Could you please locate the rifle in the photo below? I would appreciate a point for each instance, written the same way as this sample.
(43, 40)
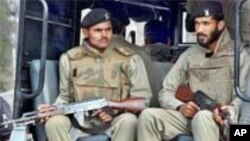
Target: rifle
(84, 106)
(20, 125)
(207, 103)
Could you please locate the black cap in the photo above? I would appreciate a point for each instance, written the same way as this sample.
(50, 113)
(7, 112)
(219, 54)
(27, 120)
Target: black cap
(96, 16)
(208, 8)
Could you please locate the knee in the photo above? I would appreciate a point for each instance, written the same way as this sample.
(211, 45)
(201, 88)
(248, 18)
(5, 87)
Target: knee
(128, 119)
(57, 122)
(202, 116)
(147, 116)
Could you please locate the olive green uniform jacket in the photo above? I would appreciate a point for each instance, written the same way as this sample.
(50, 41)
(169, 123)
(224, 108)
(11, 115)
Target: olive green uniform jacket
(213, 75)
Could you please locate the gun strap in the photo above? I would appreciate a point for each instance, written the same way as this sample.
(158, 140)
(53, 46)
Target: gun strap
(96, 130)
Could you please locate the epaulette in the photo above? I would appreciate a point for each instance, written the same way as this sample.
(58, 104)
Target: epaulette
(76, 53)
(126, 51)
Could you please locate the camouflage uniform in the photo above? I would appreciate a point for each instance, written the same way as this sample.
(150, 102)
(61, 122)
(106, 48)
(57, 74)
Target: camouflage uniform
(213, 75)
(244, 35)
(115, 74)
(137, 50)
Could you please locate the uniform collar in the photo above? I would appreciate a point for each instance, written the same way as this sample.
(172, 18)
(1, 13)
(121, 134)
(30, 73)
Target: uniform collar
(224, 45)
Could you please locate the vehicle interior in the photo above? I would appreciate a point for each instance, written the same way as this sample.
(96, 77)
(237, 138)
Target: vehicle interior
(48, 28)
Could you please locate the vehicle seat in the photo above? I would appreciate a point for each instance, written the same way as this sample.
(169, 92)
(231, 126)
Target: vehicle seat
(158, 73)
(49, 94)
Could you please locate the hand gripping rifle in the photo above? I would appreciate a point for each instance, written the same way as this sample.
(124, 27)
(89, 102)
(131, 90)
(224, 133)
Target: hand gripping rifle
(207, 103)
(67, 109)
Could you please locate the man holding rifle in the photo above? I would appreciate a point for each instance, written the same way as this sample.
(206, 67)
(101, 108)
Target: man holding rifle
(99, 68)
(207, 67)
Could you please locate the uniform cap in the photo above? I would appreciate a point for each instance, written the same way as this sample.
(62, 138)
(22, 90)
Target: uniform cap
(208, 8)
(96, 16)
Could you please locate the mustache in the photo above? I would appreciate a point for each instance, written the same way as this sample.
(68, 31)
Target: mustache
(201, 34)
(104, 39)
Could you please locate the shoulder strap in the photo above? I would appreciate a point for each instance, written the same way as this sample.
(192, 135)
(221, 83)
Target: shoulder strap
(76, 53)
(124, 50)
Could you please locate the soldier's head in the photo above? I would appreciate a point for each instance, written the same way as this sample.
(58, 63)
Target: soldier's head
(208, 22)
(97, 28)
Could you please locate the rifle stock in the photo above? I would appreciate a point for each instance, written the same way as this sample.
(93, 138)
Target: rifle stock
(184, 93)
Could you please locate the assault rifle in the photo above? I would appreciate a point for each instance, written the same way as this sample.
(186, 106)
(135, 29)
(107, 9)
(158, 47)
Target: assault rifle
(20, 125)
(33, 117)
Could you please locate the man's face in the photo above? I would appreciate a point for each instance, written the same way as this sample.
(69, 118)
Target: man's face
(207, 30)
(99, 35)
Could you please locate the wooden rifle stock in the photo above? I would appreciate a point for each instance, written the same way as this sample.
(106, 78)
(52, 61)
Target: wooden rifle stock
(184, 93)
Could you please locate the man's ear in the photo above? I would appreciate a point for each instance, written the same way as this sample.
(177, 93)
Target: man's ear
(221, 25)
(85, 32)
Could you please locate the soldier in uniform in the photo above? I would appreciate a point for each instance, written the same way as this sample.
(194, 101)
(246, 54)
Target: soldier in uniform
(207, 67)
(101, 68)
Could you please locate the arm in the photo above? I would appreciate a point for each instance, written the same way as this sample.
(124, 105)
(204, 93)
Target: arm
(140, 92)
(234, 108)
(244, 75)
(176, 76)
(64, 81)
(134, 105)
(64, 93)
